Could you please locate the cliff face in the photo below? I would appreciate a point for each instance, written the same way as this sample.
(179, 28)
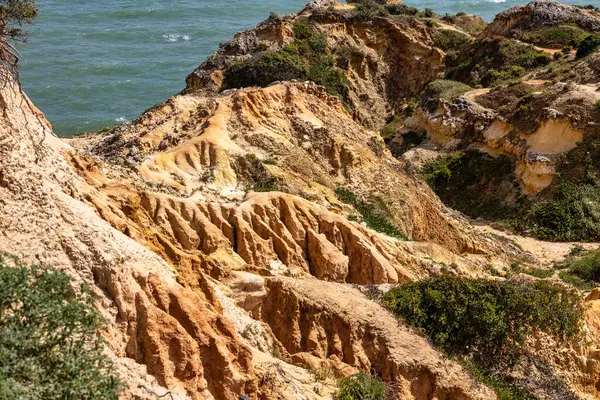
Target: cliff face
(176, 334)
(541, 14)
(169, 318)
(229, 235)
(389, 61)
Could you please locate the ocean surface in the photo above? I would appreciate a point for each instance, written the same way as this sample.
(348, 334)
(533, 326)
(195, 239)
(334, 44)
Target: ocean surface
(90, 64)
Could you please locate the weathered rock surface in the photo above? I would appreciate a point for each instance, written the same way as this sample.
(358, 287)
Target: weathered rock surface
(335, 322)
(178, 333)
(552, 128)
(393, 61)
(541, 14)
(310, 144)
(213, 290)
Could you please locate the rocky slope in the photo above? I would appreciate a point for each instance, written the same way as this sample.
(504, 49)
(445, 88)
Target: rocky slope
(229, 235)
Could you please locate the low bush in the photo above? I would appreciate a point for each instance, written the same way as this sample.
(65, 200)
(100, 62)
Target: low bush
(361, 387)
(447, 89)
(557, 37)
(282, 65)
(480, 60)
(486, 319)
(307, 58)
(588, 45)
(374, 216)
(370, 9)
(401, 9)
(391, 128)
(506, 74)
(472, 182)
(345, 53)
(572, 214)
(49, 343)
(586, 267)
(450, 39)
(257, 175)
(576, 281)
(428, 13)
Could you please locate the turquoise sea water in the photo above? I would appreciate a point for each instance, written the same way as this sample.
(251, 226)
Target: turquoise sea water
(96, 63)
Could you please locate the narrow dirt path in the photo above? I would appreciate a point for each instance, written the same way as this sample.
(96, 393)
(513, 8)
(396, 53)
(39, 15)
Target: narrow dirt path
(546, 252)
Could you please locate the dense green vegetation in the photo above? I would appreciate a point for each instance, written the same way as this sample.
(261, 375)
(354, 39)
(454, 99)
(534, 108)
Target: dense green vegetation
(13, 15)
(361, 387)
(557, 37)
(308, 58)
(483, 323)
(49, 342)
(479, 185)
(572, 214)
(486, 319)
(446, 89)
(588, 45)
(501, 385)
(374, 215)
(490, 61)
(582, 269)
(472, 182)
(372, 8)
(449, 39)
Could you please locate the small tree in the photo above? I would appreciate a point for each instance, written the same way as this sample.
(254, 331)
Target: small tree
(49, 343)
(14, 14)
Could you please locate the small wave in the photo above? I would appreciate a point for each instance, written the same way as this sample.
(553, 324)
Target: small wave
(122, 120)
(138, 13)
(177, 38)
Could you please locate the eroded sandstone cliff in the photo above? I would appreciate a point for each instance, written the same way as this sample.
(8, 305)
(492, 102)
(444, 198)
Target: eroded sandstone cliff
(227, 234)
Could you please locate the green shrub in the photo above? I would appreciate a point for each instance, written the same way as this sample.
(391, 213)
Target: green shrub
(390, 129)
(504, 389)
(302, 29)
(588, 45)
(49, 343)
(573, 214)
(401, 9)
(526, 56)
(257, 175)
(450, 39)
(447, 89)
(428, 13)
(480, 60)
(370, 9)
(472, 182)
(307, 58)
(506, 74)
(576, 281)
(557, 37)
(361, 387)
(597, 105)
(282, 65)
(586, 267)
(345, 53)
(486, 319)
(375, 217)
(13, 15)
(539, 272)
